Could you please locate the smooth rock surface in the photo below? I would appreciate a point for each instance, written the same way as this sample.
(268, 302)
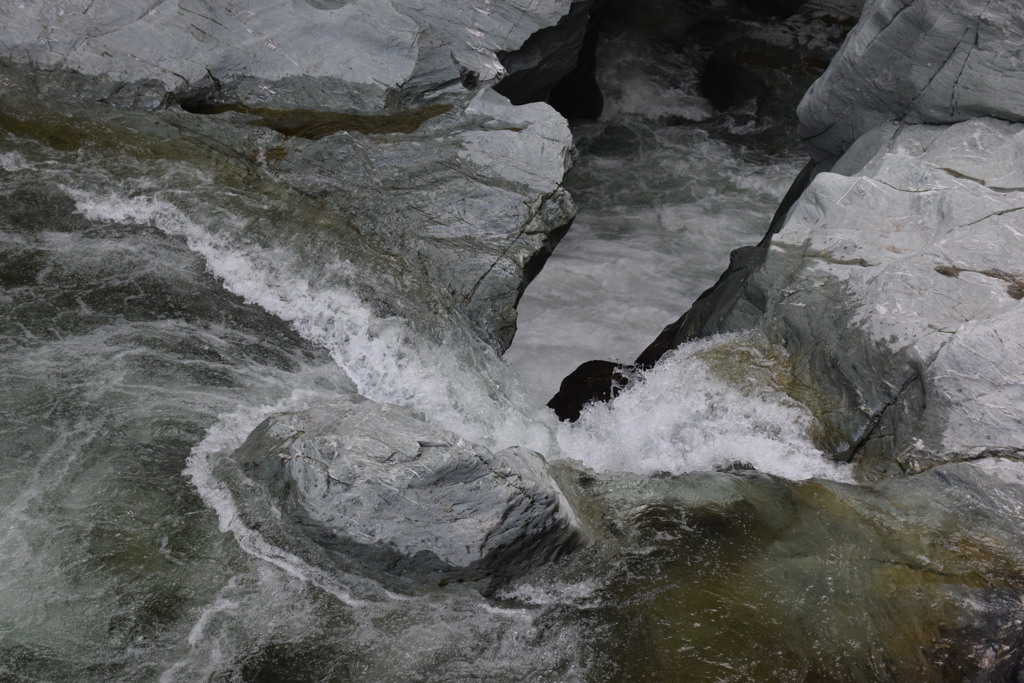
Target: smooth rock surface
(473, 198)
(920, 61)
(373, 484)
(341, 54)
(896, 286)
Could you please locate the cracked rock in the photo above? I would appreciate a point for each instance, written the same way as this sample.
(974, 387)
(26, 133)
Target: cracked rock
(921, 61)
(384, 109)
(370, 485)
(895, 285)
(337, 54)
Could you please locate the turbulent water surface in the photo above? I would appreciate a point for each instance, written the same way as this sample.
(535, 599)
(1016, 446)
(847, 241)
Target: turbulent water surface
(154, 310)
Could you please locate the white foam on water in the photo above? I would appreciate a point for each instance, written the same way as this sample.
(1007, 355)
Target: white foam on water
(642, 96)
(453, 385)
(13, 162)
(681, 417)
(655, 229)
(584, 594)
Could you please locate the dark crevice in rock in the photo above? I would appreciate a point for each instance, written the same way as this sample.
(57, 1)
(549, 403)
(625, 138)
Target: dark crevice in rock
(896, 15)
(577, 95)
(313, 125)
(558, 64)
(1015, 285)
(599, 380)
(913, 464)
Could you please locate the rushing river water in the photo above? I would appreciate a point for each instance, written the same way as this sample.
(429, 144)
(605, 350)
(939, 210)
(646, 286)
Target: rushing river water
(153, 313)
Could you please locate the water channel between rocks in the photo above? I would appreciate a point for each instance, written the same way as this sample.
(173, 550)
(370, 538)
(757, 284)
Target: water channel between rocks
(157, 307)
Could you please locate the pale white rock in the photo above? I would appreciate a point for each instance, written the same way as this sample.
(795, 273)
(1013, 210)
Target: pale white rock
(358, 52)
(897, 287)
(920, 61)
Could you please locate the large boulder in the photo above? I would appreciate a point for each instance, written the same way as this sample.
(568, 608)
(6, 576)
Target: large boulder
(895, 284)
(380, 108)
(375, 486)
(894, 281)
(324, 54)
(921, 61)
(473, 198)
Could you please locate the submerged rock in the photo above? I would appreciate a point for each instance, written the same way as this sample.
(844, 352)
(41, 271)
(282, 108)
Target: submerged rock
(909, 578)
(768, 68)
(376, 486)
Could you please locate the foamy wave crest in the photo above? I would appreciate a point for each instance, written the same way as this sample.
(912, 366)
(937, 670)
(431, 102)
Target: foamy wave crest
(12, 162)
(454, 385)
(224, 437)
(682, 417)
(640, 96)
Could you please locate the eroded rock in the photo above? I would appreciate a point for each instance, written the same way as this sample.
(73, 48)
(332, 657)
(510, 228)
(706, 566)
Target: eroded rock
(921, 61)
(384, 109)
(323, 54)
(895, 285)
(373, 485)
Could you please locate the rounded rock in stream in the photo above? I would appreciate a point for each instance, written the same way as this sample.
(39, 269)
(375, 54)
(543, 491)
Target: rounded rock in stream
(372, 484)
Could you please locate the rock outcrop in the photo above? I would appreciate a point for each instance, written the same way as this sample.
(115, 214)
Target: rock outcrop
(383, 109)
(896, 286)
(325, 54)
(375, 486)
(919, 61)
(894, 279)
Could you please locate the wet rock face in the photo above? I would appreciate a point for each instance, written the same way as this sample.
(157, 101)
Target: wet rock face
(382, 108)
(473, 197)
(896, 285)
(922, 61)
(594, 380)
(372, 484)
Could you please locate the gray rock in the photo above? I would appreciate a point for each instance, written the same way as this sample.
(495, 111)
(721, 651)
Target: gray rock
(473, 198)
(896, 285)
(461, 212)
(921, 61)
(376, 486)
(338, 54)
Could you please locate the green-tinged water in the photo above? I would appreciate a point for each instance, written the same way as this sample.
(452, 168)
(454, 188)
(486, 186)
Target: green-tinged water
(161, 293)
